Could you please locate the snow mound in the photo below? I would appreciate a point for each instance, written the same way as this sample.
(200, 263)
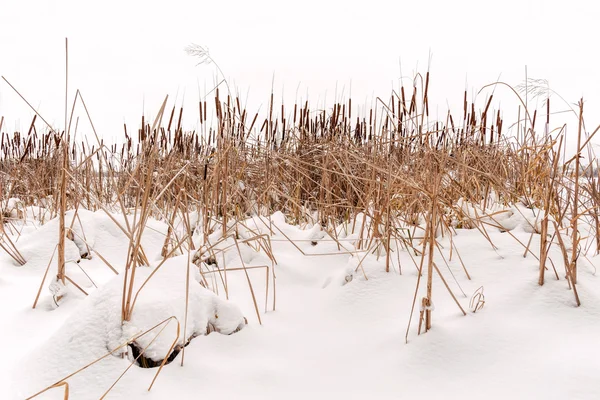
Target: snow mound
(95, 328)
(38, 247)
(164, 297)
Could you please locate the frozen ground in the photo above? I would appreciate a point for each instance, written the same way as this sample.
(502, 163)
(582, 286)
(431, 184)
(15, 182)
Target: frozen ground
(325, 339)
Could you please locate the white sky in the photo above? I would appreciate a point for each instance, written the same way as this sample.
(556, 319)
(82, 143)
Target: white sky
(127, 54)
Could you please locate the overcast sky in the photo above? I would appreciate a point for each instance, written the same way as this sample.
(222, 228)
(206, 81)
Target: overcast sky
(126, 56)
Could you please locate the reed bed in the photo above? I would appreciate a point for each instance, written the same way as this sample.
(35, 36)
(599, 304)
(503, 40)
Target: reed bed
(389, 174)
(315, 166)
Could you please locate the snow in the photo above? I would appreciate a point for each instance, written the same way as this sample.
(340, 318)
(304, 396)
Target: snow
(336, 332)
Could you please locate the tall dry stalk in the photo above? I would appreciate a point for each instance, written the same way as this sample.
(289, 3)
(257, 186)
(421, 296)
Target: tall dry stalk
(575, 216)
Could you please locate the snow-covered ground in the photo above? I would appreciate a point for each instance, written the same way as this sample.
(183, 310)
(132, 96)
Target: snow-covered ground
(336, 332)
